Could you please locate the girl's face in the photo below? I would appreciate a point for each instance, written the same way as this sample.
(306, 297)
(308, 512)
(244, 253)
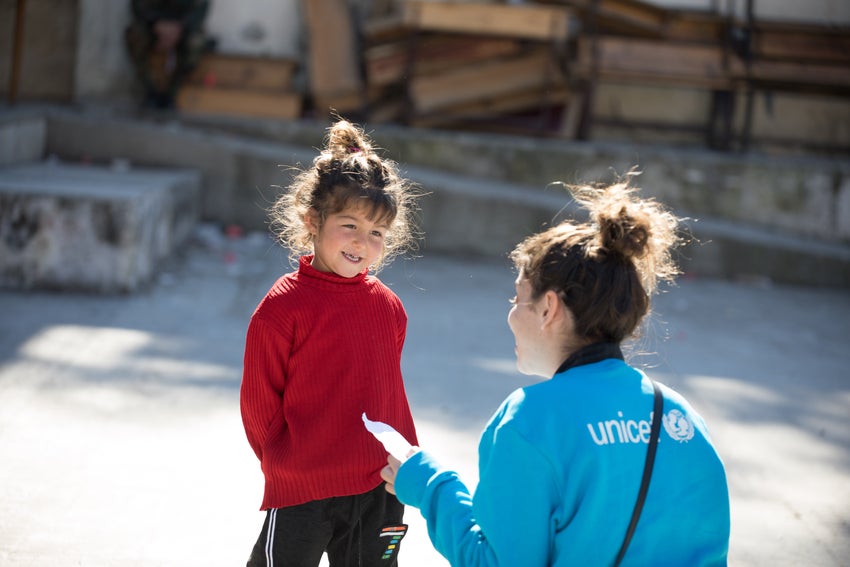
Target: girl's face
(525, 322)
(347, 243)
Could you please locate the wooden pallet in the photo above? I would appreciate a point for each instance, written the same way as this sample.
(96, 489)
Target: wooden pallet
(239, 102)
(244, 72)
(526, 21)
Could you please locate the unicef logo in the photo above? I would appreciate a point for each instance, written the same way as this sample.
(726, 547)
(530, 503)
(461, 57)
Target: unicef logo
(678, 426)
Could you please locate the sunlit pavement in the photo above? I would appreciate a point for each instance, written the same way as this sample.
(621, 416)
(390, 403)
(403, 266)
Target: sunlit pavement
(121, 442)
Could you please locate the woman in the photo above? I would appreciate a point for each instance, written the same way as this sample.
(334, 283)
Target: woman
(561, 462)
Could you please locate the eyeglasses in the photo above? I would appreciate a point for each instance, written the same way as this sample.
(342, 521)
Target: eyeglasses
(513, 300)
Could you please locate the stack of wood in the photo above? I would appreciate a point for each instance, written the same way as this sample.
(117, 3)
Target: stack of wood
(796, 57)
(467, 64)
(634, 43)
(541, 67)
(242, 85)
(333, 61)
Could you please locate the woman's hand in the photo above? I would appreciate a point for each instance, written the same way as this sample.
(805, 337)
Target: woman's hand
(388, 472)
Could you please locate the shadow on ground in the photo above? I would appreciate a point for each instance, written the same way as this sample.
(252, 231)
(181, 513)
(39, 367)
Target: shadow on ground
(120, 414)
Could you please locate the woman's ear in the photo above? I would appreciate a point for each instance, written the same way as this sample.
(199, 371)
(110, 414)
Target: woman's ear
(558, 317)
(553, 311)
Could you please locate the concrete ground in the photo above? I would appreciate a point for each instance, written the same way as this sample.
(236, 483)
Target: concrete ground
(121, 442)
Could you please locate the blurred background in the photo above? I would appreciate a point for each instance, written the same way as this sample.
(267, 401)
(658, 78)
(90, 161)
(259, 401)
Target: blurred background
(142, 142)
(737, 113)
(724, 74)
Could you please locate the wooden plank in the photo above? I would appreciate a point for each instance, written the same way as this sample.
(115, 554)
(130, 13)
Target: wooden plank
(800, 43)
(697, 27)
(632, 17)
(241, 102)
(572, 116)
(489, 80)
(359, 102)
(649, 61)
(328, 103)
(387, 64)
(334, 62)
(387, 110)
(533, 99)
(384, 29)
(526, 21)
(236, 71)
(799, 76)
(43, 45)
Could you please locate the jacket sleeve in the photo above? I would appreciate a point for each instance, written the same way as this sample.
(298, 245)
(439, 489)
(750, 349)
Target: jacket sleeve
(263, 381)
(508, 523)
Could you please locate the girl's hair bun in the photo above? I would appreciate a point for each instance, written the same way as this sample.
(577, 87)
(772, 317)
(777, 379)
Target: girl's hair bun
(344, 139)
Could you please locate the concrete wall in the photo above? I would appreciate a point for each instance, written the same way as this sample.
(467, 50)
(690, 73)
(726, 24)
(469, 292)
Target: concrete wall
(23, 138)
(784, 219)
(103, 69)
(257, 27)
(239, 175)
(801, 195)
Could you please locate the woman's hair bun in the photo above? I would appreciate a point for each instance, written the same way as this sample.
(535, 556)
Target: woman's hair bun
(623, 229)
(638, 230)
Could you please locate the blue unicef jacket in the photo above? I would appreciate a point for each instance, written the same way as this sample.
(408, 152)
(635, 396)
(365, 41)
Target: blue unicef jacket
(560, 466)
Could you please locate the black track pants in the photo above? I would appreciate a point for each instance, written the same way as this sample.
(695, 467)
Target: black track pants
(356, 531)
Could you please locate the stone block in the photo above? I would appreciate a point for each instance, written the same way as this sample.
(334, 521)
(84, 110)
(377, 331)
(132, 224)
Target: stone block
(22, 140)
(87, 228)
(842, 208)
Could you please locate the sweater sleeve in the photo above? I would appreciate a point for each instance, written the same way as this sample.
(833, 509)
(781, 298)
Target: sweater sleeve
(508, 522)
(263, 380)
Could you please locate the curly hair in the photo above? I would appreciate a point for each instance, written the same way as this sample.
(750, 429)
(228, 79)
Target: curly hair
(604, 269)
(348, 172)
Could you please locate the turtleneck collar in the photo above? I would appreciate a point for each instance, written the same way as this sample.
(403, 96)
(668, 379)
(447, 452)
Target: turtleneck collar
(591, 353)
(305, 269)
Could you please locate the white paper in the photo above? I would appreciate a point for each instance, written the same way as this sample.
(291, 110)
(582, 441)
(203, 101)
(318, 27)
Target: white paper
(393, 442)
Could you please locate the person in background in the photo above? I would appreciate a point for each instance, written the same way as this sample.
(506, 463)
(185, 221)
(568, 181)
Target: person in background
(324, 347)
(561, 462)
(165, 41)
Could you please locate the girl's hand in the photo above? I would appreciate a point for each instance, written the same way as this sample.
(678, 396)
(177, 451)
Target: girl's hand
(388, 472)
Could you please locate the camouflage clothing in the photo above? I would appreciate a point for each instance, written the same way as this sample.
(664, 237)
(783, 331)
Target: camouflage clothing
(162, 73)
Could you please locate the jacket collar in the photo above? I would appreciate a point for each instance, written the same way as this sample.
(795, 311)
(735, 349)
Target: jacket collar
(591, 353)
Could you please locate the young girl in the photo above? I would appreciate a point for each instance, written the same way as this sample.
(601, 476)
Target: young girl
(562, 462)
(323, 347)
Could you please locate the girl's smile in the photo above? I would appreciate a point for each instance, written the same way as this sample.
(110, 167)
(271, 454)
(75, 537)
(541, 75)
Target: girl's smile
(348, 242)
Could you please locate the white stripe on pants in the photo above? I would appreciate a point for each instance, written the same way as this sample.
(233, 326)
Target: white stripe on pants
(270, 538)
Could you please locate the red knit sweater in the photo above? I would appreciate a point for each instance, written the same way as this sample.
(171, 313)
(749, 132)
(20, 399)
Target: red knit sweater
(321, 350)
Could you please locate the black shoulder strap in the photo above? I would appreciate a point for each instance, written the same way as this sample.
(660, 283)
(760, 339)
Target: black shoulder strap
(657, 409)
